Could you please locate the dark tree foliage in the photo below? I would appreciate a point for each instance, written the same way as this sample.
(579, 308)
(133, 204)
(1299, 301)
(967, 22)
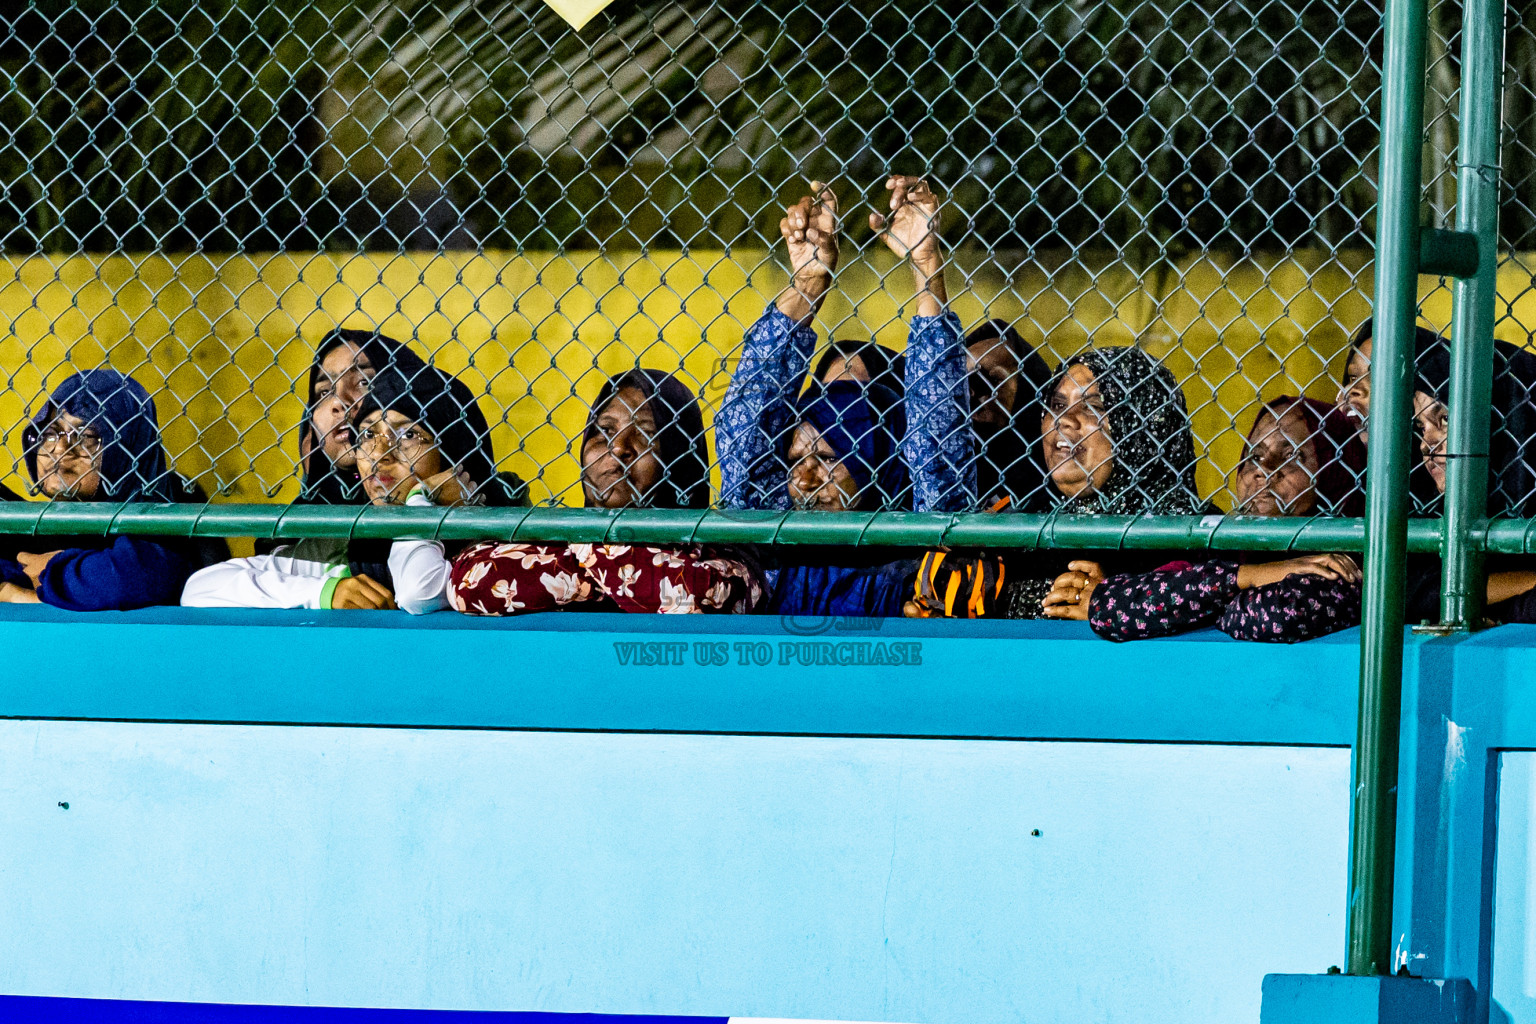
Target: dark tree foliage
(1152, 129)
(182, 124)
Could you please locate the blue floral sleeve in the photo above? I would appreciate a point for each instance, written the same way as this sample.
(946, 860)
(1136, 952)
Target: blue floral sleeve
(758, 409)
(939, 448)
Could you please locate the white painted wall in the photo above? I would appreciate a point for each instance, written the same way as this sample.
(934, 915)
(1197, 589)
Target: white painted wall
(856, 879)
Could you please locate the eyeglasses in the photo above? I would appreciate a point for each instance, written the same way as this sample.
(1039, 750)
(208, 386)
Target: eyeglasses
(79, 439)
(409, 442)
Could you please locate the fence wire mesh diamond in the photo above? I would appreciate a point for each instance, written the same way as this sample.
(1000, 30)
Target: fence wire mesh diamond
(1116, 257)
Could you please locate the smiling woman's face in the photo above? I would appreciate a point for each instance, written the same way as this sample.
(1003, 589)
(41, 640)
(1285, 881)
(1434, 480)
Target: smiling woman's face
(1079, 452)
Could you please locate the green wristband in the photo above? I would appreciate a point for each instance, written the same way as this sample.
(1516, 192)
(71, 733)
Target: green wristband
(329, 589)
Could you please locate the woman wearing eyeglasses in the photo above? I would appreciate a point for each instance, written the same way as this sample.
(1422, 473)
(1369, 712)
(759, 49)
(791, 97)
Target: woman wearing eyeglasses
(420, 440)
(97, 439)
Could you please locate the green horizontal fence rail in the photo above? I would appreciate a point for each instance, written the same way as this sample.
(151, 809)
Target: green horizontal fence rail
(690, 526)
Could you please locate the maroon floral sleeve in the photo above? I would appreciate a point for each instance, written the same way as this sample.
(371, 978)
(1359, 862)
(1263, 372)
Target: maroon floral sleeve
(1176, 598)
(507, 579)
(1296, 608)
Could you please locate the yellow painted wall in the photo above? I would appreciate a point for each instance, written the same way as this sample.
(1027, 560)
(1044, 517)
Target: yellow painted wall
(224, 342)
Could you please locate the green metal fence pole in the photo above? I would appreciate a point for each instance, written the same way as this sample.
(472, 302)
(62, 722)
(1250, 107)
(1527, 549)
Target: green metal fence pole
(1373, 836)
(1477, 215)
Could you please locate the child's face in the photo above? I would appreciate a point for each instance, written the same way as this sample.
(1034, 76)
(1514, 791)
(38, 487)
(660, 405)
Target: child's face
(69, 459)
(394, 454)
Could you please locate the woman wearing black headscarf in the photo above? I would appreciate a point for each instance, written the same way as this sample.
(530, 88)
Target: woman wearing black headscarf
(1511, 595)
(1006, 377)
(867, 362)
(420, 439)
(346, 361)
(1355, 404)
(643, 447)
(1299, 459)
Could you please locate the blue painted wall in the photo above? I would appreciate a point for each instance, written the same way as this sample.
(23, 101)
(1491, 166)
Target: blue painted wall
(835, 878)
(576, 833)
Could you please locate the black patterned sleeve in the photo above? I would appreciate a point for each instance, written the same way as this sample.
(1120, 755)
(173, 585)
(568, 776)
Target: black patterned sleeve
(1296, 608)
(1177, 598)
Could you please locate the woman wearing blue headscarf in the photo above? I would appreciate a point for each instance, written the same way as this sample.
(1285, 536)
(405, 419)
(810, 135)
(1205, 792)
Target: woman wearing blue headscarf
(97, 439)
(848, 445)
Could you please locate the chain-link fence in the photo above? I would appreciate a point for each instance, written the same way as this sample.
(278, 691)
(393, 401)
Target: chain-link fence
(1156, 228)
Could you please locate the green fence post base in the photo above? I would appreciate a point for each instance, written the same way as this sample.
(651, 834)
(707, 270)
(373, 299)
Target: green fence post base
(1353, 999)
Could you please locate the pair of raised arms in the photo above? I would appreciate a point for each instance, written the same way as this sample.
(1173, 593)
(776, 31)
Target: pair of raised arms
(910, 229)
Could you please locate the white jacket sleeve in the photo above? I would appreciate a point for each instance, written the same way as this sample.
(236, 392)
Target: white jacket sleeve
(263, 581)
(420, 571)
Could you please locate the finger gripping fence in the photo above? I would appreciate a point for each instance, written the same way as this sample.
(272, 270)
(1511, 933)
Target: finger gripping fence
(935, 274)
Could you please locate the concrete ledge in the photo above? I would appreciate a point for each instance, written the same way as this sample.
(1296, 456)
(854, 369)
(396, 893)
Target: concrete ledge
(1346, 999)
(723, 674)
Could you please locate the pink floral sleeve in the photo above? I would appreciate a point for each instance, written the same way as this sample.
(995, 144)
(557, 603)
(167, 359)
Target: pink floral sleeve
(506, 579)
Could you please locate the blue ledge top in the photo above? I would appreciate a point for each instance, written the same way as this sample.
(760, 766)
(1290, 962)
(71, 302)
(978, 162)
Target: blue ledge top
(722, 674)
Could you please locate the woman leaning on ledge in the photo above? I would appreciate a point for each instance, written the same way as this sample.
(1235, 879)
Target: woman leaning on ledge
(643, 447)
(98, 439)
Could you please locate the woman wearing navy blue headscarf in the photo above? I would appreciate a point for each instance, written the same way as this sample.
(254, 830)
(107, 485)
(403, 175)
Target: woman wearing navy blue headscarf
(97, 439)
(848, 445)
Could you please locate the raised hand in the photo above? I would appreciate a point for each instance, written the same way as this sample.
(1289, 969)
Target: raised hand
(912, 227)
(911, 231)
(810, 232)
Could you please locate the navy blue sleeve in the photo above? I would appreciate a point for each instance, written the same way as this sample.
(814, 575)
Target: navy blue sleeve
(873, 591)
(12, 572)
(134, 572)
(1520, 608)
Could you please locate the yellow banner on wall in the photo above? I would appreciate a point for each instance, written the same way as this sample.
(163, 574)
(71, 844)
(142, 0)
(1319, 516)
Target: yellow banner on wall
(224, 342)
